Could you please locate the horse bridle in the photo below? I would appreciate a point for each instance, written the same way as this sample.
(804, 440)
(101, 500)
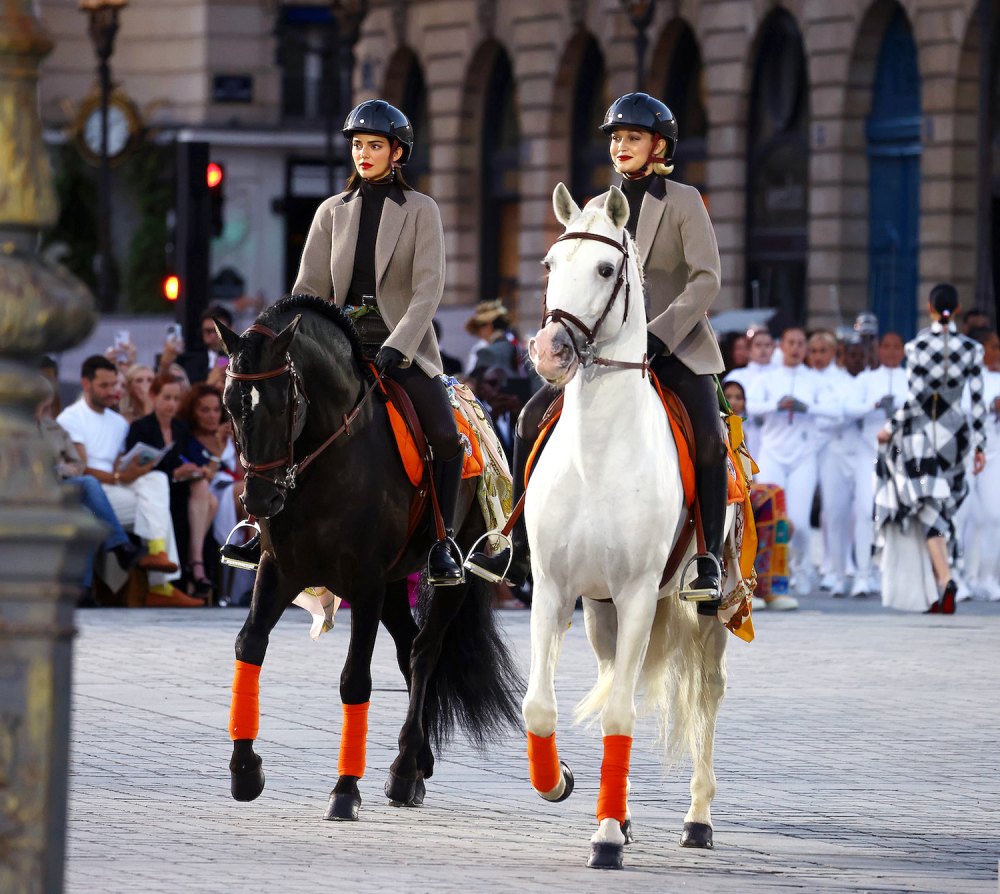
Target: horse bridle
(297, 401)
(587, 354)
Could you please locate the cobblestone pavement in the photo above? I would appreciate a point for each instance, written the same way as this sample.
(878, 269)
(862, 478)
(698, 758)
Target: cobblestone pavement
(857, 751)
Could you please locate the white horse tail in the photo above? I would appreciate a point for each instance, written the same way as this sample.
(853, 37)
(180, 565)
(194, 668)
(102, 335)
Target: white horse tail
(591, 705)
(683, 676)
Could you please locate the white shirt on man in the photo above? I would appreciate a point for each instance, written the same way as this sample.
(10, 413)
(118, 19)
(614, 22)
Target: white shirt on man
(787, 435)
(101, 434)
(870, 387)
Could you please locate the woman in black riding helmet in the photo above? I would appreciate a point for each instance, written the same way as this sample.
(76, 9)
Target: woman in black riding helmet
(681, 267)
(379, 247)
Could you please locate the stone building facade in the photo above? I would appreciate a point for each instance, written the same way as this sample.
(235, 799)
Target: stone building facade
(839, 146)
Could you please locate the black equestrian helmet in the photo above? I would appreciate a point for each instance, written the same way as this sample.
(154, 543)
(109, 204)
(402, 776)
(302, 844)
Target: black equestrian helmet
(376, 116)
(644, 111)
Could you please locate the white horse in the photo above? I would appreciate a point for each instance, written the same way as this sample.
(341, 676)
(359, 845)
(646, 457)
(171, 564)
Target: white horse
(603, 510)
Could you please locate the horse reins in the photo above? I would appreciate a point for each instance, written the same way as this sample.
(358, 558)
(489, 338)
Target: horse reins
(586, 356)
(296, 398)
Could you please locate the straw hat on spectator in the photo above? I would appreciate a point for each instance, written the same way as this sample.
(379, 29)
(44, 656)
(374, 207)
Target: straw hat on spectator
(486, 312)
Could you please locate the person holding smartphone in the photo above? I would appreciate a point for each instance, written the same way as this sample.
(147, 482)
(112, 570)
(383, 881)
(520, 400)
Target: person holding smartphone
(206, 362)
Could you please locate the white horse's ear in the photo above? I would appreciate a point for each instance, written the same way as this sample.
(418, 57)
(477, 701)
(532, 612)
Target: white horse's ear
(563, 205)
(616, 208)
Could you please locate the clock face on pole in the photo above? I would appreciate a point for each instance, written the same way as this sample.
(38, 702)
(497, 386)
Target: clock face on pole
(118, 131)
(124, 127)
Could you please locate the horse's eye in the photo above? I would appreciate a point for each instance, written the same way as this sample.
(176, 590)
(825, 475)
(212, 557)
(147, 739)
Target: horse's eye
(605, 270)
(547, 264)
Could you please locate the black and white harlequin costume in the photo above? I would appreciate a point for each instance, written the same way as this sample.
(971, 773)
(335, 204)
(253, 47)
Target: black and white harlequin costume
(920, 473)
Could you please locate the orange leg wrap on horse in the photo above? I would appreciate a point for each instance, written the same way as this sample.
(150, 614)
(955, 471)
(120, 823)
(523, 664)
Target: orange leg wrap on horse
(614, 778)
(543, 762)
(244, 711)
(353, 736)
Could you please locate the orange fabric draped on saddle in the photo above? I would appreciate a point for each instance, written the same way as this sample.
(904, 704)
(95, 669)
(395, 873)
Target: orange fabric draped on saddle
(412, 460)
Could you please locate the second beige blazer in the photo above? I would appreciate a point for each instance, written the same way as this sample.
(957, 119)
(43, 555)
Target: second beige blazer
(682, 270)
(409, 266)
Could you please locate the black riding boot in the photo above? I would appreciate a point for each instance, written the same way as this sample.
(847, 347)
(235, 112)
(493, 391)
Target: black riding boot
(492, 568)
(713, 490)
(443, 568)
(245, 555)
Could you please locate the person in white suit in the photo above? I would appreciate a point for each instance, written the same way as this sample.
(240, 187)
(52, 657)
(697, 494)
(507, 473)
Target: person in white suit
(790, 399)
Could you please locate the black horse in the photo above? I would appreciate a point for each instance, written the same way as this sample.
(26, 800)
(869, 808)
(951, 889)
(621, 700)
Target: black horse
(326, 482)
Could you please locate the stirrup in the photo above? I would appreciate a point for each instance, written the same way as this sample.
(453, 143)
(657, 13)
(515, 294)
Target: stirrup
(461, 564)
(234, 562)
(485, 574)
(690, 595)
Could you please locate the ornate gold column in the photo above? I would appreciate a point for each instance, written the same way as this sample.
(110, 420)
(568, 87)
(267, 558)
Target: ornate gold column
(44, 534)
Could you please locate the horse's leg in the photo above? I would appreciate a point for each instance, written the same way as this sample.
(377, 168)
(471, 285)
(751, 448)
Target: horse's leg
(401, 788)
(397, 616)
(550, 617)
(698, 822)
(600, 618)
(355, 694)
(636, 609)
(271, 596)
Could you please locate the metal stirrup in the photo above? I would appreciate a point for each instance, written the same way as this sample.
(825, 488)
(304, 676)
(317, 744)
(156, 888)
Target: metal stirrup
(697, 595)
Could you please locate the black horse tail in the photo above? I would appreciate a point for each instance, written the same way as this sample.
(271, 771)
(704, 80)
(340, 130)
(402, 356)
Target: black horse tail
(476, 683)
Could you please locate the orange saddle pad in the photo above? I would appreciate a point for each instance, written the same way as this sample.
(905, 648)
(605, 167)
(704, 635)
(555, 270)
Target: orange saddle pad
(413, 462)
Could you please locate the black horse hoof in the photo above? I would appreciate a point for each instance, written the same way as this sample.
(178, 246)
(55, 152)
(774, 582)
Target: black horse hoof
(343, 807)
(248, 783)
(697, 835)
(400, 791)
(567, 775)
(604, 855)
(627, 832)
(419, 792)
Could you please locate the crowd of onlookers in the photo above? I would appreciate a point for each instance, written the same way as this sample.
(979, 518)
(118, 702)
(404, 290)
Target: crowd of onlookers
(153, 455)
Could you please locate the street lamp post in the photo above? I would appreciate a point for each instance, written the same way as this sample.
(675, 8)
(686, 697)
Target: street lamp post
(640, 13)
(103, 28)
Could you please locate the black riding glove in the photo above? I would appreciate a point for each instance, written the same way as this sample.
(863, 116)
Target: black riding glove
(654, 345)
(387, 360)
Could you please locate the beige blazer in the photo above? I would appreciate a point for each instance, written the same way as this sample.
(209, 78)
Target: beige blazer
(680, 260)
(409, 266)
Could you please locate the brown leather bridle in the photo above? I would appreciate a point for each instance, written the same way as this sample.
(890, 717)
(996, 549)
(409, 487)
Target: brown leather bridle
(297, 402)
(587, 355)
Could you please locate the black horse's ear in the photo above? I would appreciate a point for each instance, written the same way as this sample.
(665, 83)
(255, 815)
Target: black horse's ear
(284, 338)
(229, 338)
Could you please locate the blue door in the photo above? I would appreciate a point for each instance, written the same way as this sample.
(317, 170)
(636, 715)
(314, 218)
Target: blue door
(893, 131)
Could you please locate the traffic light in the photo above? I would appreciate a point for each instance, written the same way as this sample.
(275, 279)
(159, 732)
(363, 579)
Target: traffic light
(171, 287)
(215, 178)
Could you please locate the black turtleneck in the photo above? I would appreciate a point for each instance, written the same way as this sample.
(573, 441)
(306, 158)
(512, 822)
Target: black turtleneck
(634, 191)
(372, 199)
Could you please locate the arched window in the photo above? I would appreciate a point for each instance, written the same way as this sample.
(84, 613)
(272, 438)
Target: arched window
(588, 147)
(681, 89)
(405, 88)
(778, 171)
(499, 221)
(893, 134)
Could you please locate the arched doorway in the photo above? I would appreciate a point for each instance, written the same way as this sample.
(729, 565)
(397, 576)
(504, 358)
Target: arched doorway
(893, 145)
(500, 189)
(778, 171)
(676, 78)
(588, 149)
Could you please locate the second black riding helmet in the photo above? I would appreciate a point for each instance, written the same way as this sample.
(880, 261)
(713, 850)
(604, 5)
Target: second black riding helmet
(645, 111)
(376, 116)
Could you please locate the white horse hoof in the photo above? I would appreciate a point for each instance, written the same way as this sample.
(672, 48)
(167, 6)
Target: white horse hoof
(563, 789)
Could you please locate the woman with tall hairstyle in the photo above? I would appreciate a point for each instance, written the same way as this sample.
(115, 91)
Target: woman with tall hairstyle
(379, 247)
(921, 465)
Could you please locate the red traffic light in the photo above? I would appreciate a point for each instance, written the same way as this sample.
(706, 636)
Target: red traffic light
(214, 175)
(171, 287)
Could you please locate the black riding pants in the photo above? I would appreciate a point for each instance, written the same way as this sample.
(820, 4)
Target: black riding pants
(430, 400)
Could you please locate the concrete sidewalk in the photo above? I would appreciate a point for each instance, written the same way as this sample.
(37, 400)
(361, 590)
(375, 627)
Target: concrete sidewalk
(857, 751)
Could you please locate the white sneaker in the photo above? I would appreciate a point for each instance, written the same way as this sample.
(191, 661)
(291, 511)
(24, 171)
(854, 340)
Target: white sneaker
(829, 582)
(991, 590)
(782, 603)
(861, 588)
(757, 604)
